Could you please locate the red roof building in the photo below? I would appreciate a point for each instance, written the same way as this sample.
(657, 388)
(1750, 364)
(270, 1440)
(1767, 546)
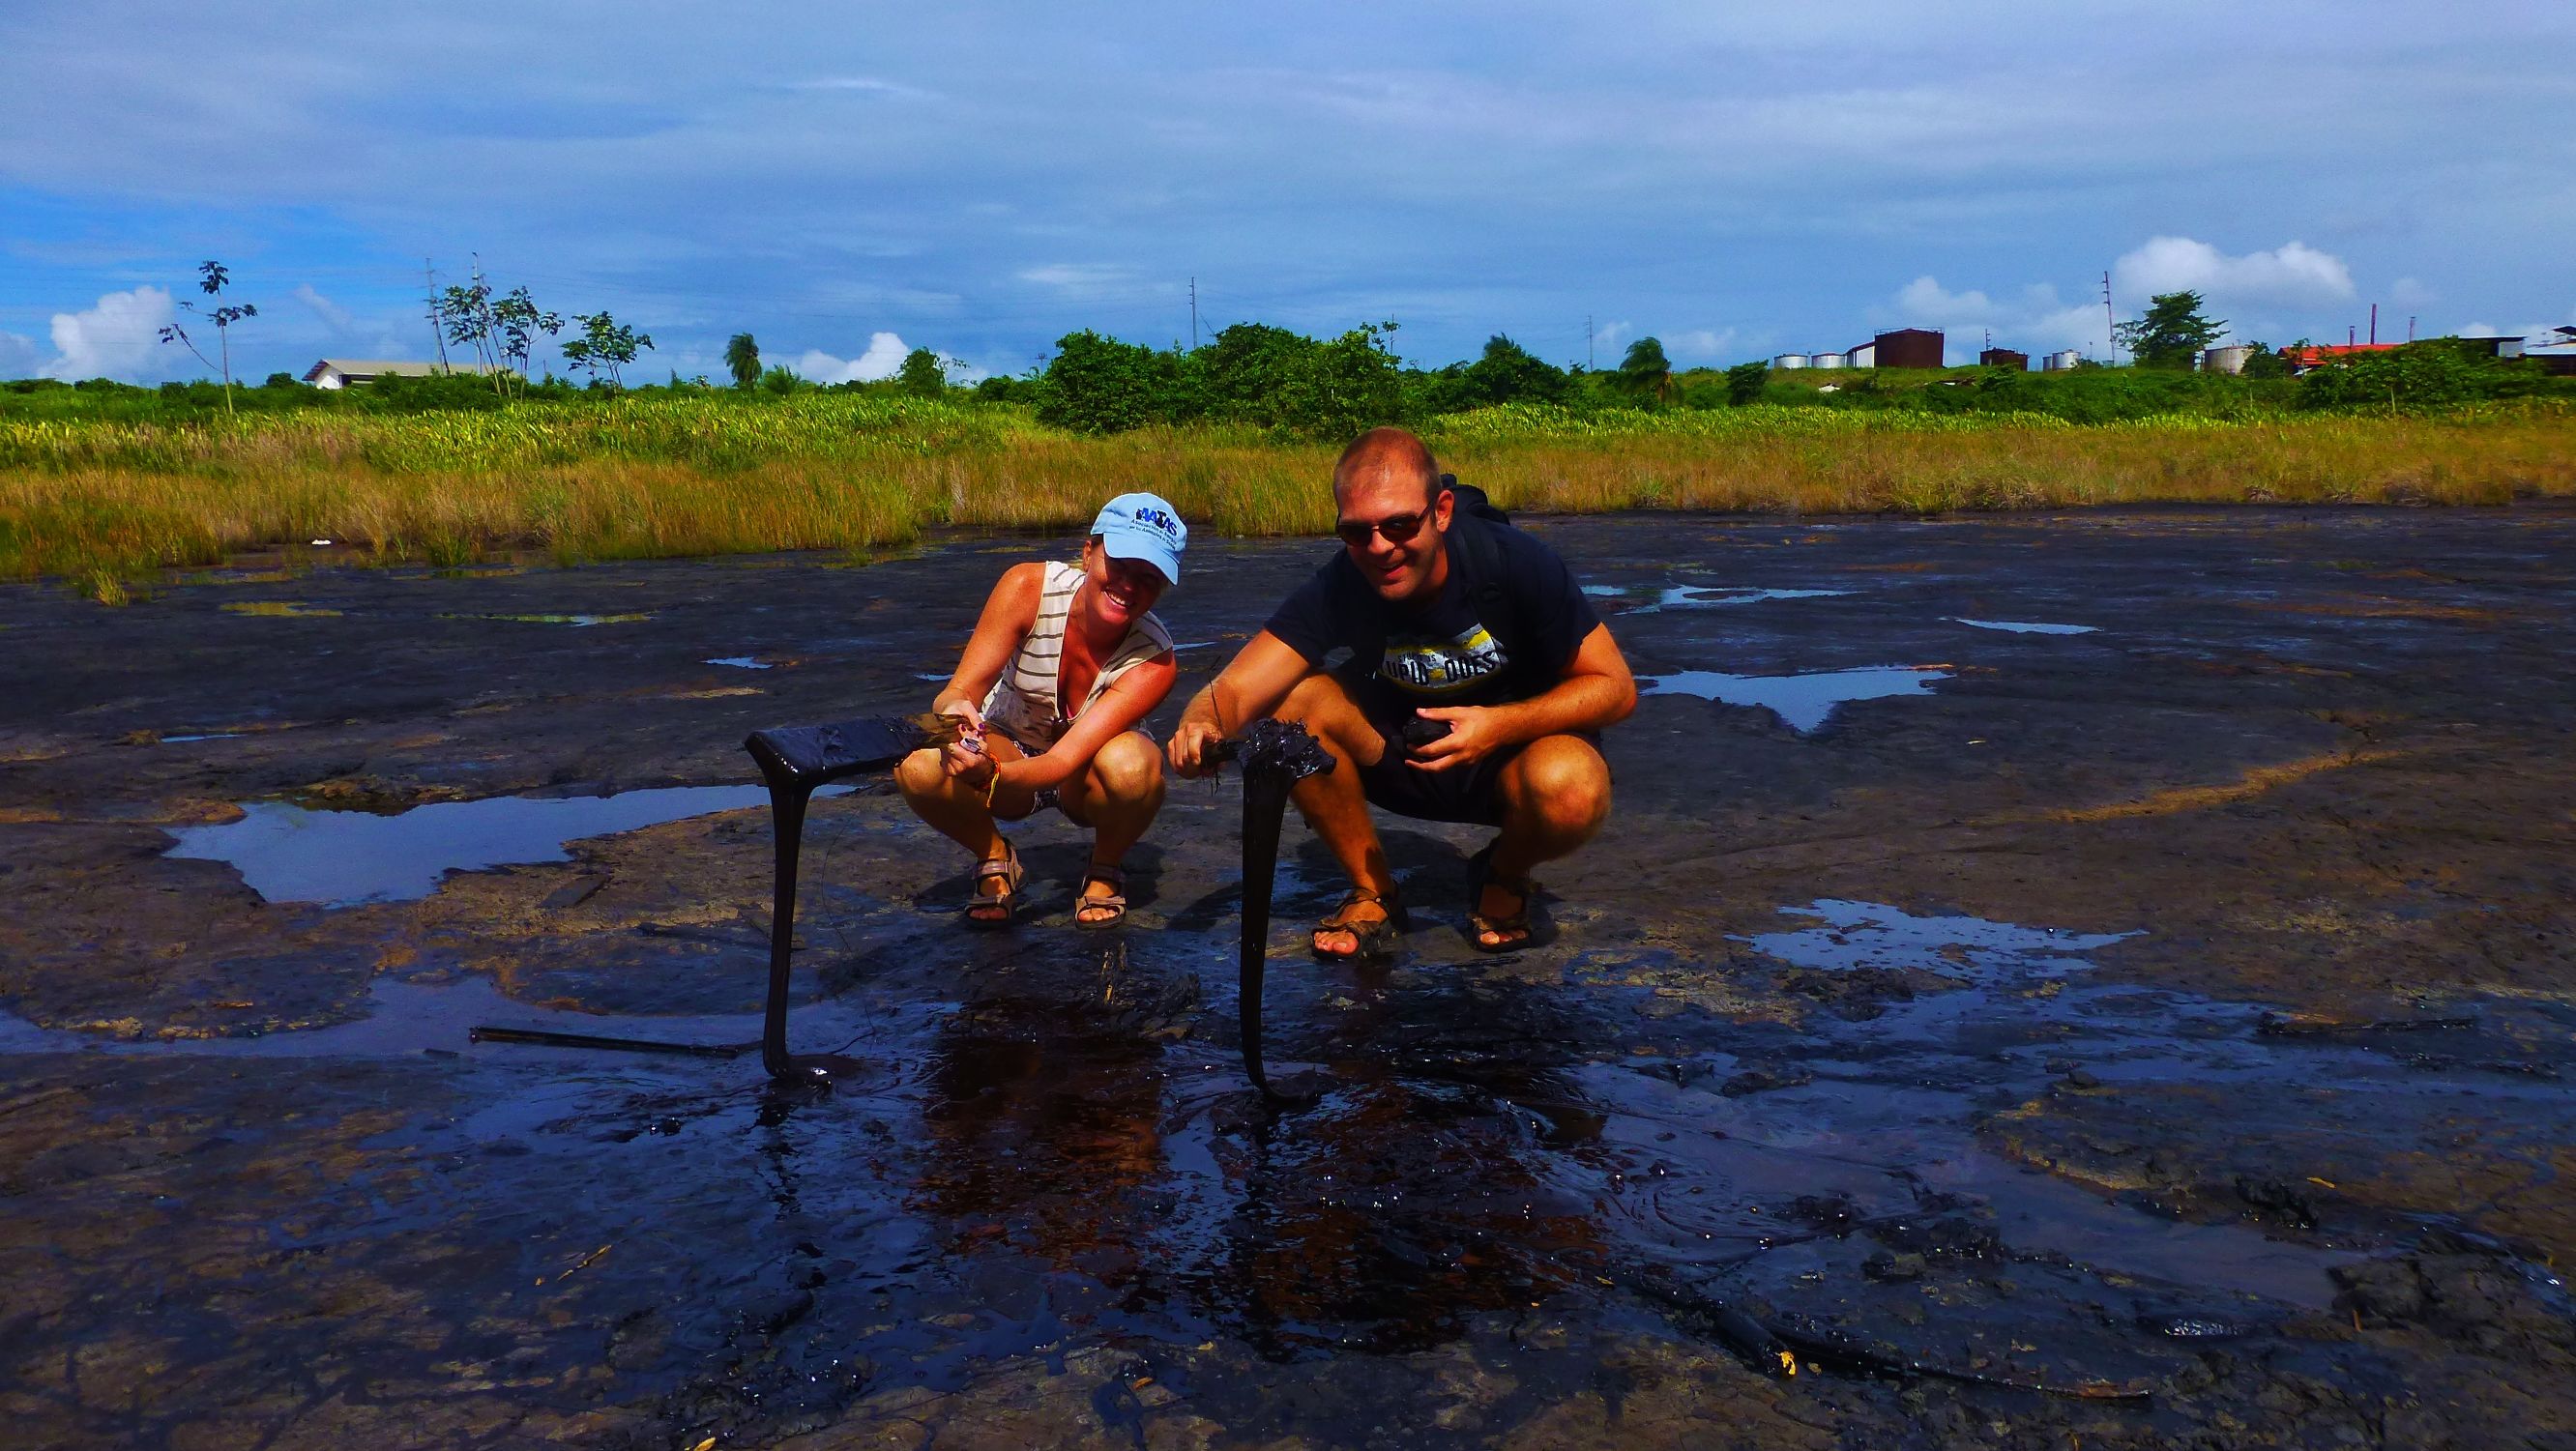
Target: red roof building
(2317, 355)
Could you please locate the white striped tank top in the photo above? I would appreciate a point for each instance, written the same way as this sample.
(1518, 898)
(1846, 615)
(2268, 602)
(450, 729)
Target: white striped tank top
(1023, 702)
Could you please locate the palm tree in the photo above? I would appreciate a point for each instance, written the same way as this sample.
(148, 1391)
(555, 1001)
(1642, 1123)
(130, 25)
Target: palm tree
(742, 359)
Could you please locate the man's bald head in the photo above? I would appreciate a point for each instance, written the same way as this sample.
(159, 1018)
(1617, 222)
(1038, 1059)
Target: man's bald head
(1387, 453)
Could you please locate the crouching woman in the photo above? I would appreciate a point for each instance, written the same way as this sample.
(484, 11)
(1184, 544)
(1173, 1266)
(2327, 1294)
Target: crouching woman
(1065, 664)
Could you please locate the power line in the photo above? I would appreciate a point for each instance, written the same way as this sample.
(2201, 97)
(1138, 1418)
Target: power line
(437, 314)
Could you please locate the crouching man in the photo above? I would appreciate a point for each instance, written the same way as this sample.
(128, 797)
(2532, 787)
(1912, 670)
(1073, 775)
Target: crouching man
(1478, 682)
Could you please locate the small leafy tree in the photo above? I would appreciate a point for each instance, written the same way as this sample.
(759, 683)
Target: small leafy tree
(466, 312)
(2172, 333)
(1744, 382)
(1097, 384)
(604, 348)
(1506, 372)
(211, 277)
(922, 374)
(516, 320)
(781, 380)
(1646, 374)
(742, 359)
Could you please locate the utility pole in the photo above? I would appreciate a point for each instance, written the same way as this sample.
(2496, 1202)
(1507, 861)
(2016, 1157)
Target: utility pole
(2410, 327)
(1194, 314)
(437, 314)
(2110, 322)
(1587, 342)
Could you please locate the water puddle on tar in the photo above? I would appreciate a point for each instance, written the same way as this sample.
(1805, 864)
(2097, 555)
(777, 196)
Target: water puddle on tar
(1696, 597)
(2026, 627)
(740, 662)
(577, 621)
(288, 853)
(1803, 702)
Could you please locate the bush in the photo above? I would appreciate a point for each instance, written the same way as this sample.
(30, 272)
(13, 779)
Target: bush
(1101, 385)
(2418, 375)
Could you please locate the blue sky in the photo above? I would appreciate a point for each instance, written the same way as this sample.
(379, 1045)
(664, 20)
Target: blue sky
(846, 180)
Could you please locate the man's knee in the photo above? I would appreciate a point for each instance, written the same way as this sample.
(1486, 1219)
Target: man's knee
(1562, 784)
(1318, 697)
(1324, 707)
(922, 773)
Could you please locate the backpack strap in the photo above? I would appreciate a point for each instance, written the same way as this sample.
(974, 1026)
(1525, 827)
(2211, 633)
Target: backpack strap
(1472, 522)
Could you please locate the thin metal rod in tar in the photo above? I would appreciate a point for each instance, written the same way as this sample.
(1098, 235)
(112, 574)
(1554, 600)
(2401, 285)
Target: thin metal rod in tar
(546, 1039)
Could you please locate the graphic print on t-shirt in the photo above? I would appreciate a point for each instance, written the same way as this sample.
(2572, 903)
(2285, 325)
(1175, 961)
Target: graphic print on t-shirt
(1435, 667)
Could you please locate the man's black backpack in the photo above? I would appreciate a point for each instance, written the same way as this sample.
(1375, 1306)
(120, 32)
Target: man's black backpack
(1472, 522)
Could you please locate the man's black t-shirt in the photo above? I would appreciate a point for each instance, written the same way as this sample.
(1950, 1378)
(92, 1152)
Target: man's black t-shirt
(1444, 652)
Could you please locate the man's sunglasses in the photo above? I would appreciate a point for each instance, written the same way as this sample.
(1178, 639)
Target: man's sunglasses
(1357, 532)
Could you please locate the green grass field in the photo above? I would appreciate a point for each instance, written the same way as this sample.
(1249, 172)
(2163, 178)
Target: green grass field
(104, 505)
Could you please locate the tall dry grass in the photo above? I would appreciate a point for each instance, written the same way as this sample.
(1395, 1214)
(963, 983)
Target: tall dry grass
(105, 505)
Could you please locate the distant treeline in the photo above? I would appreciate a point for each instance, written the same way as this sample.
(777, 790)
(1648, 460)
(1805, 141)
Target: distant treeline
(1292, 385)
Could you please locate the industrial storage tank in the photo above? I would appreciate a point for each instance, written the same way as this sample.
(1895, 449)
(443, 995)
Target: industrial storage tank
(1865, 356)
(2059, 362)
(1826, 360)
(2229, 359)
(1790, 360)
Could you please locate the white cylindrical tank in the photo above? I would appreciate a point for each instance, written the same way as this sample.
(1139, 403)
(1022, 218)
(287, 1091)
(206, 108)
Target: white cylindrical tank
(2059, 362)
(1826, 360)
(1865, 356)
(2229, 359)
(1790, 360)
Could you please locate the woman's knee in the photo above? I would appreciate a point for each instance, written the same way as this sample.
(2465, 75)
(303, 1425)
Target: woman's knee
(923, 773)
(1128, 768)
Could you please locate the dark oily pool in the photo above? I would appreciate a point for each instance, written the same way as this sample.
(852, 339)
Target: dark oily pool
(287, 853)
(1044, 1161)
(1804, 702)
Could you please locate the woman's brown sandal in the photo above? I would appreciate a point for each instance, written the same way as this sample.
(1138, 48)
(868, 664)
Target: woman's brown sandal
(1003, 905)
(1515, 929)
(1115, 904)
(1371, 937)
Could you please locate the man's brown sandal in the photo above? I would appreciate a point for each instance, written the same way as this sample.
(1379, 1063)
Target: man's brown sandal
(1004, 904)
(1115, 904)
(1515, 929)
(1371, 937)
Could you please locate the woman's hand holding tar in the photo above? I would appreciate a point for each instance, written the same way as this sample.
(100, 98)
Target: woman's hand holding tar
(965, 756)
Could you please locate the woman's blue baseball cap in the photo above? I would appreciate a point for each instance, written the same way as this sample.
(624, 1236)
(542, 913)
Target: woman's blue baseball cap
(1144, 528)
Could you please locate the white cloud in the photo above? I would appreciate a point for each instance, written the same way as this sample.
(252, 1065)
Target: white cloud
(324, 308)
(1702, 342)
(18, 356)
(868, 85)
(1609, 338)
(884, 355)
(1074, 276)
(2293, 274)
(119, 338)
(2037, 318)
(2407, 292)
